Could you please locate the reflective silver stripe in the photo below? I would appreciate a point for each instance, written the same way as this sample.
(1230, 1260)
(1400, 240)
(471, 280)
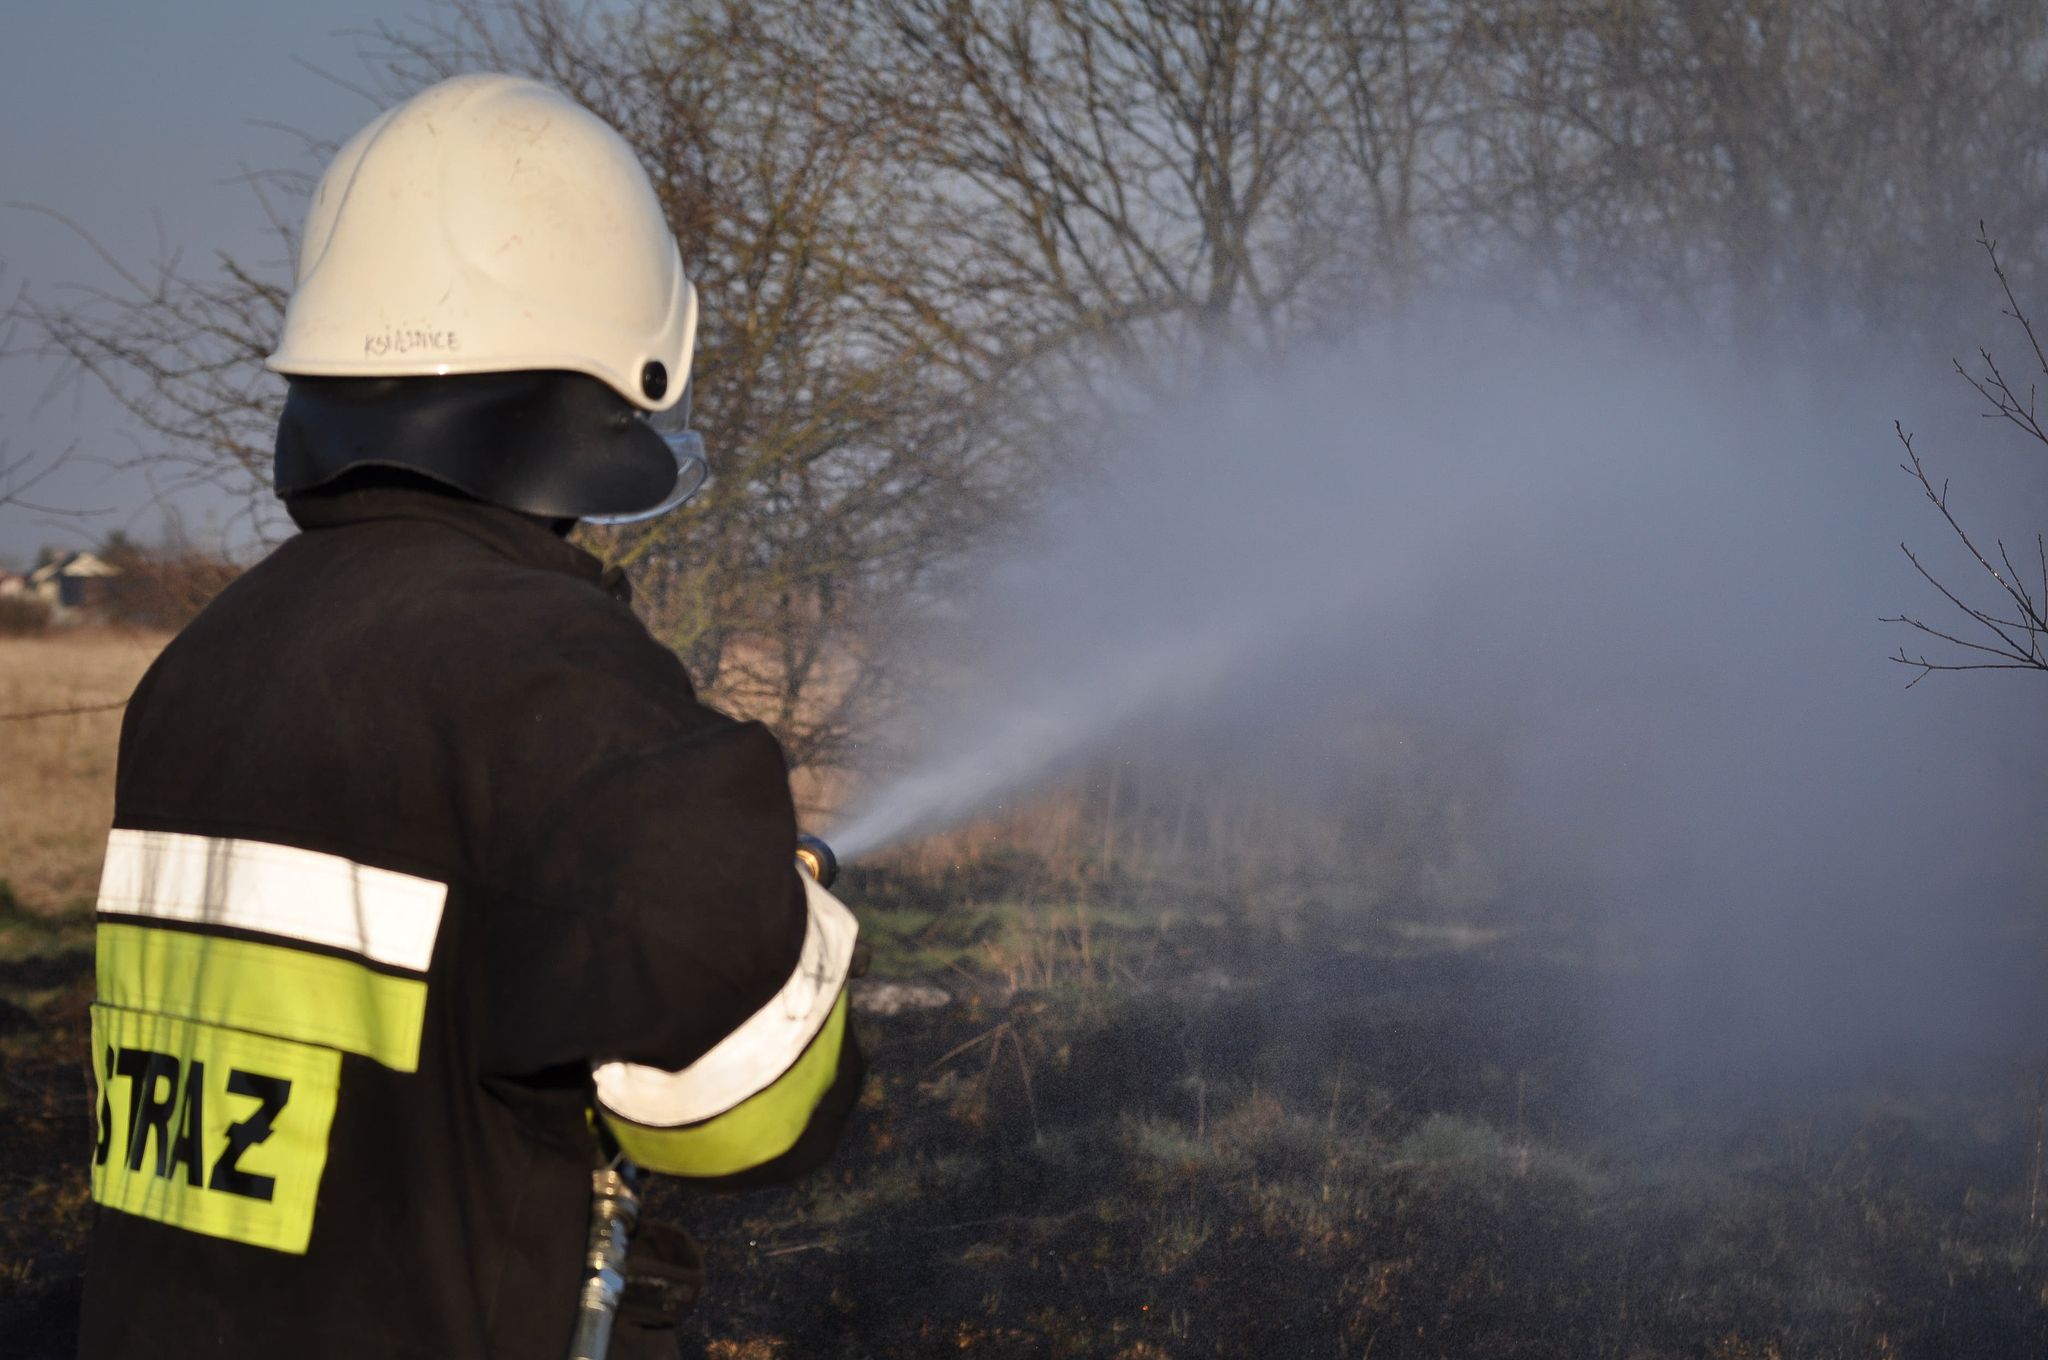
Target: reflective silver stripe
(390, 918)
(748, 1060)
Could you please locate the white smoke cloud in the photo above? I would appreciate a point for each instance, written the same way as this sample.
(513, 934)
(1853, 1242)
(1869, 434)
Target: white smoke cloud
(1659, 572)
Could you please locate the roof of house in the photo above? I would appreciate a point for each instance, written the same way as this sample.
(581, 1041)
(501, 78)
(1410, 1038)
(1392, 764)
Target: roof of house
(73, 564)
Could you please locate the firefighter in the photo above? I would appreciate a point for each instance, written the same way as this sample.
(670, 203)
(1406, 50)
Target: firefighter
(432, 884)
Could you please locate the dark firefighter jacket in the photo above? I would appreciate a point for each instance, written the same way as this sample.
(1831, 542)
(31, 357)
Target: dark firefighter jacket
(415, 827)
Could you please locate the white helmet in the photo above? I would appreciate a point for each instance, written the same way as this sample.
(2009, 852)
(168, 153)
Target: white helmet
(488, 225)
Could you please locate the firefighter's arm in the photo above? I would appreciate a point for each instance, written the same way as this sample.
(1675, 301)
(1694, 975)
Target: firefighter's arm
(768, 1099)
(669, 947)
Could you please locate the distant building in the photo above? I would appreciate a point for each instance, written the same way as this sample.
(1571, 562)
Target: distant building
(78, 580)
(12, 583)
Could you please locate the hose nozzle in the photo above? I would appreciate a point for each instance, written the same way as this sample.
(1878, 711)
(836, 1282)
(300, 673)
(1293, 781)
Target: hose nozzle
(816, 859)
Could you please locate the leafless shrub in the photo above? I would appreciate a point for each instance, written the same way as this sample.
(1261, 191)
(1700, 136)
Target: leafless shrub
(165, 586)
(2003, 624)
(23, 616)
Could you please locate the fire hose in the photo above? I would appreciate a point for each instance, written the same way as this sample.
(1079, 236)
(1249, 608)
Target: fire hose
(615, 1195)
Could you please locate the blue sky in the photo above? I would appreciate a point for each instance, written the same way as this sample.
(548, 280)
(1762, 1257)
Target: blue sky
(136, 120)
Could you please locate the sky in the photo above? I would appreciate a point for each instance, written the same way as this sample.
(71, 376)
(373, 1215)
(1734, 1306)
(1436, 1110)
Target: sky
(136, 121)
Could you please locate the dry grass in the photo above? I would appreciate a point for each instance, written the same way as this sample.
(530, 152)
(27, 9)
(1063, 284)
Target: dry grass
(57, 772)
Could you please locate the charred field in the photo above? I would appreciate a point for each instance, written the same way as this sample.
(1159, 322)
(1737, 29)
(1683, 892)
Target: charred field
(1122, 1140)
(1147, 1125)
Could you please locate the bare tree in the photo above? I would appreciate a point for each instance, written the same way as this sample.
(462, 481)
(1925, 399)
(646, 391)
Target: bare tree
(1766, 169)
(945, 244)
(841, 469)
(181, 351)
(1399, 79)
(2002, 624)
(21, 473)
(1108, 186)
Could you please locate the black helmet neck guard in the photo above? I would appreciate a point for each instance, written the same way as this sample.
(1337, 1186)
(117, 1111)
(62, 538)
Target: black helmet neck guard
(554, 444)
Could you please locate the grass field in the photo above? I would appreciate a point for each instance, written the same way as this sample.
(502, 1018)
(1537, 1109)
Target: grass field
(56, 799)
(1156, 1120)
(57, 772)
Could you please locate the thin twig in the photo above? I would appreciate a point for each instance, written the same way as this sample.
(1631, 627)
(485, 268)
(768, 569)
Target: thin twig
(2019, 639)
(75, 711)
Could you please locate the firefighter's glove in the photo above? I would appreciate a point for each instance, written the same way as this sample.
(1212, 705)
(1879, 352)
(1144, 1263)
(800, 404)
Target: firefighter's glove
(664, 1276)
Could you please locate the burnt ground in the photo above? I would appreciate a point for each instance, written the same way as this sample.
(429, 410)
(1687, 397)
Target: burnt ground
(45, 1137)
(1125, 1140)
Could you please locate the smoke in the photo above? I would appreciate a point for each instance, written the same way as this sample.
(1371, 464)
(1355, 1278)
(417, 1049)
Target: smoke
(1651, 576)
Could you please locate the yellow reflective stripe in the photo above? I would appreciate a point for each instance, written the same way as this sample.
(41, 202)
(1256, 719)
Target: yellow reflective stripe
(268, 988)
(210, 1129)
(757, 1130)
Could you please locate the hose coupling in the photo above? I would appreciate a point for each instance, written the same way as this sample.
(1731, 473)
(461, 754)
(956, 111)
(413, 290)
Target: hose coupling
(816, 859)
